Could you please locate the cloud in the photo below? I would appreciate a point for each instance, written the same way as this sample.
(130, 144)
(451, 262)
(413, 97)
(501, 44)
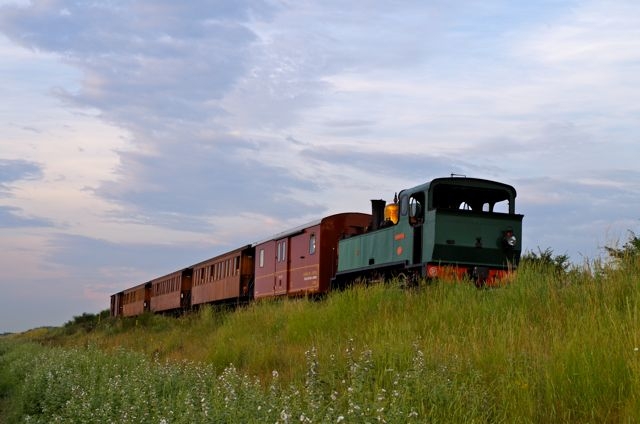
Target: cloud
(579, 216)
(146, 65)
(10, 218)
(201, 179)
(14, 170)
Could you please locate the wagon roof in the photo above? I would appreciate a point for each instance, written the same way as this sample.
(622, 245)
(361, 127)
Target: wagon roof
(301, 228)
(220, 255)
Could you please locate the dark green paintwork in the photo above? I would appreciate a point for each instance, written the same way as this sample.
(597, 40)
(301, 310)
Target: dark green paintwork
(443, 233)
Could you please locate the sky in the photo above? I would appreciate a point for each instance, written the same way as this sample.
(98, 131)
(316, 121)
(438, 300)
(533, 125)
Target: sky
(138, 137)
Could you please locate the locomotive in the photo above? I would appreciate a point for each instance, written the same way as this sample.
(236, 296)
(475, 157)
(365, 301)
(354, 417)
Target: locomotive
(449, 227)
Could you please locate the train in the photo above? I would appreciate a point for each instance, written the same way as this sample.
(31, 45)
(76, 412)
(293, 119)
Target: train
(450, 227)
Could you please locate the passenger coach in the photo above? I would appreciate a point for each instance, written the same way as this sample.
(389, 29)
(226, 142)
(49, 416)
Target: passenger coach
(132, 301)
(227, 277)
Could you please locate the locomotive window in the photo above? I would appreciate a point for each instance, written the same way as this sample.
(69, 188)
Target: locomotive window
(404, 204)
(471, 198)
(501, 207)
(416, 208)
(261, 261)
(312, 244)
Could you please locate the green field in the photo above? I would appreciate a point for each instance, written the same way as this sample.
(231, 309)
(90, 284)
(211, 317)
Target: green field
(555, 345)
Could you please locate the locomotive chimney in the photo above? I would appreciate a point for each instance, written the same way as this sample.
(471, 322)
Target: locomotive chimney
(377, 213)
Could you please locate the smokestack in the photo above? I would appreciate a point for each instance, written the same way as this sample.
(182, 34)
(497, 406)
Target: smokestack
(377, 213)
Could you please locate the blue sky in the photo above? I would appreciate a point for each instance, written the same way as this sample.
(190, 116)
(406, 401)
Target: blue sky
(138, 137)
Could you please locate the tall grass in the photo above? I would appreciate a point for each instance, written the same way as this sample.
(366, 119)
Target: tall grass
(550, 347)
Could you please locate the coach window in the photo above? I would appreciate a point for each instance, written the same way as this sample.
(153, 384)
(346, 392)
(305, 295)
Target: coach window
(261, 258)
(284, 251)
(312, 244)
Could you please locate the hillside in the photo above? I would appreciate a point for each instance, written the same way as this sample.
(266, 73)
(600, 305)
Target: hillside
(553, 345)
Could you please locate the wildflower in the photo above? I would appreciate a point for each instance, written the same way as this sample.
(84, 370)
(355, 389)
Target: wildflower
(274, 374)
(340, 419)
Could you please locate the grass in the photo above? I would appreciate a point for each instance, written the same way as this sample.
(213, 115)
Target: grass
(550, 347)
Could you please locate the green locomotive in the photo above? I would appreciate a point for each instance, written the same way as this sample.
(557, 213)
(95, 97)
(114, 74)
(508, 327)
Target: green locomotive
(450, 227)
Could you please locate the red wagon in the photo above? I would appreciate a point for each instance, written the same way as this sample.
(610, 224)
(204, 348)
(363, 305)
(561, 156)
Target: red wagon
(303, 260)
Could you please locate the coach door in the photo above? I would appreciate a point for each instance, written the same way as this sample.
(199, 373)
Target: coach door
(281, 276)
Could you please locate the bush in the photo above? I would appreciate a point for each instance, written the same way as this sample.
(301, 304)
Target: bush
(547, 260)
(630, 249)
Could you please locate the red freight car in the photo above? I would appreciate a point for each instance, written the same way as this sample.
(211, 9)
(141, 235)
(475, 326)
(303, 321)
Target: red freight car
(223, 278)
(135, 300)
(303, 260)
(171, 292)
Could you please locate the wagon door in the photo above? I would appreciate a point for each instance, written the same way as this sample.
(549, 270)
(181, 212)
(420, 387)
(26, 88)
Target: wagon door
(281, 275)
(268, 270)
(304, 259)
